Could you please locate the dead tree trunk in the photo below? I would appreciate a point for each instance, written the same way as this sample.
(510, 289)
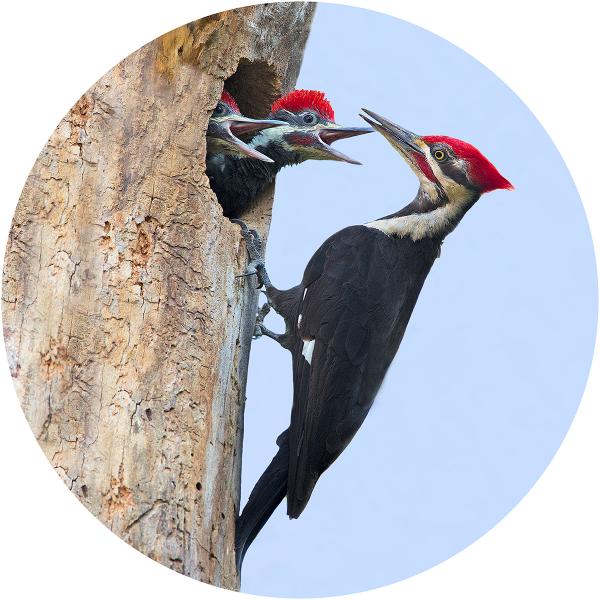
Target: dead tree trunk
(127, 330)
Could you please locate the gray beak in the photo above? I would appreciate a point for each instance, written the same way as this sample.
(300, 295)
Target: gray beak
(396, 135)
(331, 133)
(240, 126)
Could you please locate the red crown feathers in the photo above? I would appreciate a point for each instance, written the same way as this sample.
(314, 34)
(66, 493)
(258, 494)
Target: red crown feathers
(482, 171)
(299, 100)
(230, 100)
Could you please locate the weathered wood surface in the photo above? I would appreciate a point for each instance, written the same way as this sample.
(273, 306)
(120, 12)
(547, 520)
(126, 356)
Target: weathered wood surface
(127, 331)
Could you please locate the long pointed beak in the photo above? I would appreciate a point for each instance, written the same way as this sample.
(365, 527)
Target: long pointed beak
(224, 134)
(396, 135)
(331, 133)
(240, 125)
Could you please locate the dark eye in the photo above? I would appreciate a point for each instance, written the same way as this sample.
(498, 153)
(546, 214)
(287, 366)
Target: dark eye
(219, 110)
(439, 155)
(309, 118)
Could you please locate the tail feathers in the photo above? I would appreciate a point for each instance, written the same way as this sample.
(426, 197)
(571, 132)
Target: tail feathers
(266, 496)
(296, 505)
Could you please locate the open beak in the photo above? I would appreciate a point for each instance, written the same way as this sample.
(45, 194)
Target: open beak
(402, 139)
(227, 130)
(240, 125)
(331, 133)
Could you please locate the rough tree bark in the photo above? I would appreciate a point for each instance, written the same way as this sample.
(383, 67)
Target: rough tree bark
(126, 328)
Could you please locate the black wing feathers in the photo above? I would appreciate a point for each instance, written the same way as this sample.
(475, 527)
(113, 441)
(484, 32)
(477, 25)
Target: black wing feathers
(361, 286)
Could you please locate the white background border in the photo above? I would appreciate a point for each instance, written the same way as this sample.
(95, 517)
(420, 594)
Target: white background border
(548, 547)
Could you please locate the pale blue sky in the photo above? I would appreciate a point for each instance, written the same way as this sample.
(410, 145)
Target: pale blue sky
(495, 358)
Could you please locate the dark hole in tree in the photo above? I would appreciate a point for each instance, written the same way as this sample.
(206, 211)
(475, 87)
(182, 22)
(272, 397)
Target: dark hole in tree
(198, 486)
(255, 86)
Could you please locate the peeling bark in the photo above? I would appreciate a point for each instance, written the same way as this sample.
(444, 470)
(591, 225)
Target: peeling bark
(126, 328)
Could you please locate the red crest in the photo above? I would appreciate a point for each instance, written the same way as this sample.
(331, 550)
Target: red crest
(230, 101)
(481, 170)
(299, 100)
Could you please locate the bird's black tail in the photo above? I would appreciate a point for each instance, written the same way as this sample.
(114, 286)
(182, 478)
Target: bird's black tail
(265, 497)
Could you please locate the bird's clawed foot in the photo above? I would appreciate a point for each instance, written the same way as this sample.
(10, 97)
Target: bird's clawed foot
(260, 329)
(252, 239)
(254, 246)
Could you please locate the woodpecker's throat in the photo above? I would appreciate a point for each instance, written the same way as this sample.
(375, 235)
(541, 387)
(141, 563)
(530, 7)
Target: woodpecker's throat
(434, 213)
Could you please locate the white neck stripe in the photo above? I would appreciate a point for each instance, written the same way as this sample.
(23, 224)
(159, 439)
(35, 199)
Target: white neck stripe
(420, 225)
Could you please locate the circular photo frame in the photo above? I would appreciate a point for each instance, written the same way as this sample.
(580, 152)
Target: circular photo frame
(439, 343)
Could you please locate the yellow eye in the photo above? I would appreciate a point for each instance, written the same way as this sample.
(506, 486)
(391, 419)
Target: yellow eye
(439, 155)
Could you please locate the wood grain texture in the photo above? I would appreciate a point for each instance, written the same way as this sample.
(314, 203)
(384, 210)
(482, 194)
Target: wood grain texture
(126, 328)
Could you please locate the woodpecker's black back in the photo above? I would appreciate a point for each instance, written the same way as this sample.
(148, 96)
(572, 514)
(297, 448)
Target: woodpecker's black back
(359, 292)
(355, 300)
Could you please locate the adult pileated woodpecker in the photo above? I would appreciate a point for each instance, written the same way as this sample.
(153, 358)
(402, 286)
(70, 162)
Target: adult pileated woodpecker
(226, 124)
(308, 132)
(346, 319)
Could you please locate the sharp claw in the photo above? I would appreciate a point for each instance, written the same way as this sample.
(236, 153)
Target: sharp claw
(268, 299)
(248, 274)
(241, 223)
(255, 235)
(252, 239)
(259, 328)
(253, 269)
(254, 246)
(265, 309)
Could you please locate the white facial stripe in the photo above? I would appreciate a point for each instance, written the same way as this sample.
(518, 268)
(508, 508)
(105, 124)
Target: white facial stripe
(429, 187)
(266, 136)
(454, 191)
(435, 167)
(307, 350)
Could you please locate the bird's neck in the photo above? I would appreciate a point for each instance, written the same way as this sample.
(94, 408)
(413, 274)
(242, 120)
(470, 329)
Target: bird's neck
(432, 214)
(281, 156)
(273, 145)
(237, 182)
(257, 170)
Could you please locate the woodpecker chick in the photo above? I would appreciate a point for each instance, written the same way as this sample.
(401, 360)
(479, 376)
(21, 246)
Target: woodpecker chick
(347, 317)
(307, 134)
(226, 124)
